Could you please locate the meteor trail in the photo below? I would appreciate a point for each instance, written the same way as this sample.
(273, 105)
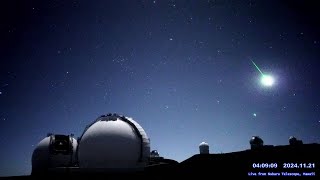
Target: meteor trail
(257, 68)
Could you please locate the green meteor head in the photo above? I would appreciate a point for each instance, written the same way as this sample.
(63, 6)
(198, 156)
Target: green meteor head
(267, 80)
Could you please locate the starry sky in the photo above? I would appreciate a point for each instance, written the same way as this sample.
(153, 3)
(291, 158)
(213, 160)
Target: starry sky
(181, 68)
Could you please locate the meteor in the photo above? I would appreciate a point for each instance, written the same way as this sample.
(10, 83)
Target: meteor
(266, 80)
(257, 68)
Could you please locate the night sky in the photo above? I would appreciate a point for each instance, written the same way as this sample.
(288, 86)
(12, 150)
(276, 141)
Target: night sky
(182, 69)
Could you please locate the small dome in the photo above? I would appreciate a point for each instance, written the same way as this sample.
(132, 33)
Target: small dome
(154, 153)
(204, 148)
(294, 141)
(113, 142)
(54, 151)
(203, 144)
(256, 142)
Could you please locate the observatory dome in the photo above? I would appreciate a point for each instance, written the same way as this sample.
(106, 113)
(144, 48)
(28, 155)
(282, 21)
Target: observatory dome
(204, 148)
(292, 140)
(256, 142)
(113, 142)
(54, 151)
(154, 153)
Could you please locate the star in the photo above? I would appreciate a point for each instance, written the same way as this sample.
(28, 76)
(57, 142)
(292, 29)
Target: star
(254, 115)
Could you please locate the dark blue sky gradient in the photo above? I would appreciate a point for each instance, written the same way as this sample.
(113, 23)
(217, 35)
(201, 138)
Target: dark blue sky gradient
(181, 69)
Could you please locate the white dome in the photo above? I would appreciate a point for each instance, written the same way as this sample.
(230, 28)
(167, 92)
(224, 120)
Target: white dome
(54, 151)
(204, 148)
(113, 142)
(203, 144)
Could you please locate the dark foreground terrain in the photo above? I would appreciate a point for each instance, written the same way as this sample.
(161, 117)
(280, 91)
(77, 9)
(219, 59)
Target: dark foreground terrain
(300, 160)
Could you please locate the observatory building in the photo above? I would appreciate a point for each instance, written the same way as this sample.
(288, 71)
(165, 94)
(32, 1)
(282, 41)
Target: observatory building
(154, 154)
(54, 151)
(293, 141)
(204, 148)
(256, 142)
(112, 143)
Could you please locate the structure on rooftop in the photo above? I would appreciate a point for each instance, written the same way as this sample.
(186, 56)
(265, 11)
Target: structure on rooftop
(256, 142)
(204, 148)
(294, 141)
(154, 154)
